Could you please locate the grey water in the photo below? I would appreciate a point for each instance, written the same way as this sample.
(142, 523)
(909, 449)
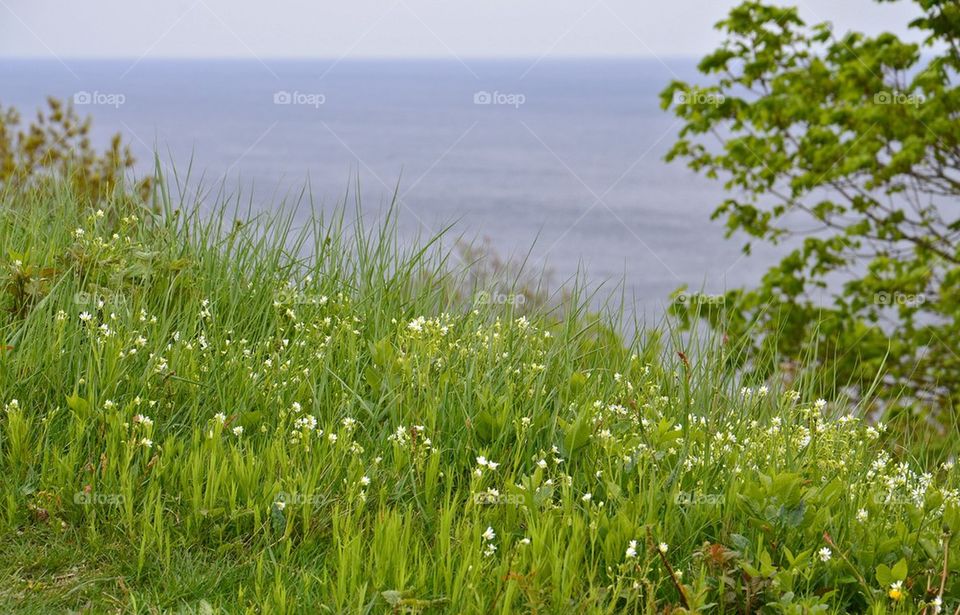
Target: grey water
(565, 156)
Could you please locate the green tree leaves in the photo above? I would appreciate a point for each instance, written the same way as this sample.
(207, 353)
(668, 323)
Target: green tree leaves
(846, 149)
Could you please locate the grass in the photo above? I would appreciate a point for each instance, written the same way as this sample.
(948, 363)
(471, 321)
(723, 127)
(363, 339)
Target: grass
(199, 419)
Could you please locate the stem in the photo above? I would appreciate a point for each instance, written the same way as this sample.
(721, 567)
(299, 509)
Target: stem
(943, 575)
(856, 572)
(666, 564)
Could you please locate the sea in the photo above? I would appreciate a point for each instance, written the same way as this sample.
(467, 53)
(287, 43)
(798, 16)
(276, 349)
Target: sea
(557, 163)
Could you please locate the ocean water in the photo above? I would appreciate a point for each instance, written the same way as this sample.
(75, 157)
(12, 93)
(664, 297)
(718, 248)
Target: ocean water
(561, 159)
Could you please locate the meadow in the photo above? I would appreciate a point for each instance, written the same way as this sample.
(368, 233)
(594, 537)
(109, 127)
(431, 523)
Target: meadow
(224, 413)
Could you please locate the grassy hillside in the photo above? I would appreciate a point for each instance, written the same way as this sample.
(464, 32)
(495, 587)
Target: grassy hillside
(199, 419)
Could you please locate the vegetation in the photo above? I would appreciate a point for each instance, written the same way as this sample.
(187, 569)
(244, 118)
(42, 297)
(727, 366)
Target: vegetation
(846, 148)
(57, 144)
(196, 418)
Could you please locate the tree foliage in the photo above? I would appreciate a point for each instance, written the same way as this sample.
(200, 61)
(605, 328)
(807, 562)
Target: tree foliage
(57, 145)
(844, 149)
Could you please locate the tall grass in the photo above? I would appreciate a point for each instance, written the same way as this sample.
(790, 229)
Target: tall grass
(214, 413)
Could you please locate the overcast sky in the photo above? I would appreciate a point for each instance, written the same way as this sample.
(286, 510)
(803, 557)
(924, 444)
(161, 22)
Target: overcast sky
(392, 28)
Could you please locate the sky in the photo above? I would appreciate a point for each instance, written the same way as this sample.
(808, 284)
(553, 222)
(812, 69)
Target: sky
(255, 29)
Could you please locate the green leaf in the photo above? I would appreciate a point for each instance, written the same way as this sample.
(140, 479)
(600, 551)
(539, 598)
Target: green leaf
(577, 434)
(899, 571)
(884, 575)
(486, 426)
(78, 404)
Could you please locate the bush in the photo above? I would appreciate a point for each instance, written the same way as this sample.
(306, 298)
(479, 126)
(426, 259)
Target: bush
(56, 146)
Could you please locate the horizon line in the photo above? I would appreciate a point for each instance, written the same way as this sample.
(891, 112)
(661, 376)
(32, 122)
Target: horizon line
(478, 58)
